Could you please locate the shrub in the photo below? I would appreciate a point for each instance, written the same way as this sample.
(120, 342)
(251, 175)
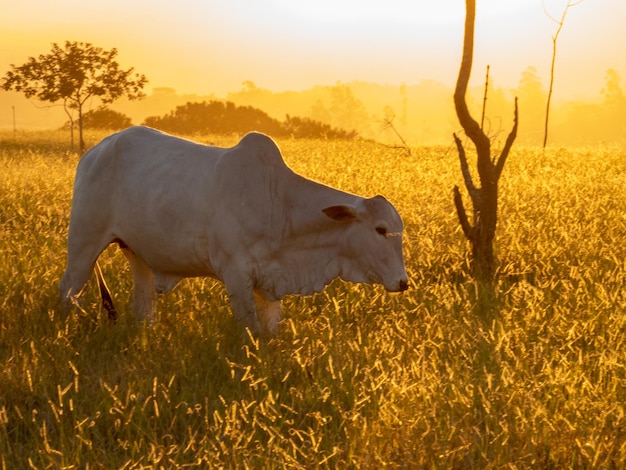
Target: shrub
(104, 118)
(216, 117)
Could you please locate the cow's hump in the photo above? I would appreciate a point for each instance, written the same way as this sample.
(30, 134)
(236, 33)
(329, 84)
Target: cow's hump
(262, 147)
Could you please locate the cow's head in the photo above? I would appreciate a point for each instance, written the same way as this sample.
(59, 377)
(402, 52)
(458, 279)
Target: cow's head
(371, 243)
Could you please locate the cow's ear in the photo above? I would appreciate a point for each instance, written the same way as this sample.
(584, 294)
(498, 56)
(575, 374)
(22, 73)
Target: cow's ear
(340, 213)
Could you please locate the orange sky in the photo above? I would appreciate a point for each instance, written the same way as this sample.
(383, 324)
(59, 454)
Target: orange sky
(212, 46)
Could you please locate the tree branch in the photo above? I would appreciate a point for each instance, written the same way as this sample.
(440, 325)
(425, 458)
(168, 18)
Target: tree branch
(482, 117)
(468, 230)
(388, 124)
(508, 144)
(570, 3)
(467, 176)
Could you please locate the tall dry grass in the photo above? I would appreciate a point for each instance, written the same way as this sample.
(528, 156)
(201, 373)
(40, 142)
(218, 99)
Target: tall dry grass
(451, 374)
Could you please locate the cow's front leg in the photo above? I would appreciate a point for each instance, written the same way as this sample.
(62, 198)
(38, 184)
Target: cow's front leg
(144, 295)
(268, 312)
(241, 295)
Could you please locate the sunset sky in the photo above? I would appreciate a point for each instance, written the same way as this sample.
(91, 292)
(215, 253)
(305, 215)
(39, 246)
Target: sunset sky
(212, 46)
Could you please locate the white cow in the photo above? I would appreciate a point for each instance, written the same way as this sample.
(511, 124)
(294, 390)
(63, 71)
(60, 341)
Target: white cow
(180, 209)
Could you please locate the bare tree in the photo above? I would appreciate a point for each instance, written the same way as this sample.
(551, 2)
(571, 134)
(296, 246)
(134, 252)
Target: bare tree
(570, 3)
(484, 198)
(387, 123)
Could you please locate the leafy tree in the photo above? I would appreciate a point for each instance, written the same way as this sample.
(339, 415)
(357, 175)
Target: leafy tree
(613, 119)
(613, 94)
(73, 75)
(532, 100)
(104, 118)
(346, 109)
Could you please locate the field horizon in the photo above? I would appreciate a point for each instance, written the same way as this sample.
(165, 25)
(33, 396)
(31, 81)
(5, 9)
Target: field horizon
(527, 373)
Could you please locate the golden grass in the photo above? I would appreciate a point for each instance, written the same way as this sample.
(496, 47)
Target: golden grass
(448, 375)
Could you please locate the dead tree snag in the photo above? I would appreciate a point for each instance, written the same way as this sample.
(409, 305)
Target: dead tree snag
(481, 231)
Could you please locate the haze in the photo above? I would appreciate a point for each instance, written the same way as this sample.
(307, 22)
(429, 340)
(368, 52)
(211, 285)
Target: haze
(212, 46)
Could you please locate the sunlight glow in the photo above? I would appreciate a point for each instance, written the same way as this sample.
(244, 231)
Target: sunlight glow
(200, 46)
(349, 12)
(399, 12)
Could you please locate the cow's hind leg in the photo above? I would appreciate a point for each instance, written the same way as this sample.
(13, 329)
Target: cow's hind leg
(144, 294)
(81, 258)
(72, 284)
(105, 294)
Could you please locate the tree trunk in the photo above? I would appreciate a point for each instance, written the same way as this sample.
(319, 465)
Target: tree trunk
(481, 232)
(80, 129)
(560, 23)
(69, 116)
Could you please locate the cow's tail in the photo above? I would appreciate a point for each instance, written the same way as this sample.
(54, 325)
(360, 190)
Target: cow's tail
(107, 301)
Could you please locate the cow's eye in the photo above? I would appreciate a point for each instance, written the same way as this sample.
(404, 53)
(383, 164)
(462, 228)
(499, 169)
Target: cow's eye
(381, 230)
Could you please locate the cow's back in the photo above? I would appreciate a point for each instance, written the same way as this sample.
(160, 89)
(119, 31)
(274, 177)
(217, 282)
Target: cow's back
(142, 154)
(146, 189)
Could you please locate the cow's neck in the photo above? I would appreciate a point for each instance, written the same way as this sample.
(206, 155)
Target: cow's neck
(307, 199)
(302, 270)
(306, 255)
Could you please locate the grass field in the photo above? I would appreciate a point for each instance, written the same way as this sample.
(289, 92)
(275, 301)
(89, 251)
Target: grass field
(451, 374)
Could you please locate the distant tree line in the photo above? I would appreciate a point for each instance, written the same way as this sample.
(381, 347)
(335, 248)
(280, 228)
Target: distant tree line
(217, 117)
(420, 115)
